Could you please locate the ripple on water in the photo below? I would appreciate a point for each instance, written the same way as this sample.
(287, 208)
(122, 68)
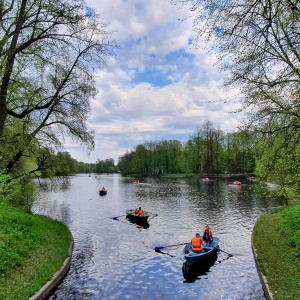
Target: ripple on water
(115, 259)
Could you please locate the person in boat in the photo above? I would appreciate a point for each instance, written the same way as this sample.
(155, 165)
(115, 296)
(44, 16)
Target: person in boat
(207, 234)
(103, 189)
(136, 211)
(141, 212)
(197, 243)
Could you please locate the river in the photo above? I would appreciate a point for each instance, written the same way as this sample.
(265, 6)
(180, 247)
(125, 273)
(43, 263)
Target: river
(115, 259)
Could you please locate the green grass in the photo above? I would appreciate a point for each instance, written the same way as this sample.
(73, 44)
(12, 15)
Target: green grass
(276, 240)
(32, 249)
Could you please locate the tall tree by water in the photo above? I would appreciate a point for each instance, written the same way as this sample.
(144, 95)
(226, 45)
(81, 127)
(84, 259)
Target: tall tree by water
(48, 52)
(258, 42)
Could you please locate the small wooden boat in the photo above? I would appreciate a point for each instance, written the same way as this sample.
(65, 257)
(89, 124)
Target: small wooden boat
(102, 192)
(202, 258)
(135, 218)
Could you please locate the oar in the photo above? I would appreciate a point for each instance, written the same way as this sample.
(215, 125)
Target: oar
(154, 215)
(116, 218)
(159, 251)
(218, 248)
(226, 252)
(162, 247)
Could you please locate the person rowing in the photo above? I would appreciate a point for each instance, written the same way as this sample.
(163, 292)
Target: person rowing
(197, 243)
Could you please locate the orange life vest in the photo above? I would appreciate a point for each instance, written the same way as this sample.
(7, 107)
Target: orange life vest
(196, 244)
(207, 232)
(136, 211)
(141, 213)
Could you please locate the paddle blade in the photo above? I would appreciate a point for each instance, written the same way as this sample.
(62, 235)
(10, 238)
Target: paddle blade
(157, 249)
(117, 217)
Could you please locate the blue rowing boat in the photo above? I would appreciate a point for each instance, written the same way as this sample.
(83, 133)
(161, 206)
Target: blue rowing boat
(206, 257)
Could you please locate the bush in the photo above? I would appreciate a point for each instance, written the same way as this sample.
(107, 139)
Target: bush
(290, 226)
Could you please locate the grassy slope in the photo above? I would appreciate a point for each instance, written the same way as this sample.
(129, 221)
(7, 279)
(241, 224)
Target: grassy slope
(32, 249)
(276, 256)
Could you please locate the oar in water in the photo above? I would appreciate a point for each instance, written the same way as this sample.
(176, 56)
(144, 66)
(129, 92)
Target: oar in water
(116, 218)
(218, 248)
(226, 252)
(157, 249)
(154, 215)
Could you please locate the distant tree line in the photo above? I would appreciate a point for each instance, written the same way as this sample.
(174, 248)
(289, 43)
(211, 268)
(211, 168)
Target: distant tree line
(209, 151)
(64, 165)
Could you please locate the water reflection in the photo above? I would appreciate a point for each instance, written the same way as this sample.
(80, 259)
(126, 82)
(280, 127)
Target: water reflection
(115, 259)
(142, 223)
(196, 272)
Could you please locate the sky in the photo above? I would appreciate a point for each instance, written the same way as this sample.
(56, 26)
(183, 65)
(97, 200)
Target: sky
(160, 86)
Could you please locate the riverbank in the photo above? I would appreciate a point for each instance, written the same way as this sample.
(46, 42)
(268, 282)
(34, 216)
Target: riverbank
(276, 240)
(32, 249)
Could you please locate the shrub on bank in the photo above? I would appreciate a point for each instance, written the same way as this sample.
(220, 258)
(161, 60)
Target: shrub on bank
(290, 226)
(276, 240)
(32, 249)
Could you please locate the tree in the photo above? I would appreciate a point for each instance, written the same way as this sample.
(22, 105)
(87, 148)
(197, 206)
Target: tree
(258, 42)
(140, 160)
(125, 162)
(195, 151)
(48, 52)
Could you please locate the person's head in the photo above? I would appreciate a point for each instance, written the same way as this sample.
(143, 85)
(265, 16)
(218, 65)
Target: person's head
(197, 235)
(207, 227)
(140, 208)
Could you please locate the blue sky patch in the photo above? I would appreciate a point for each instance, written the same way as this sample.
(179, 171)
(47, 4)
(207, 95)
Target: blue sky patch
(154, 77)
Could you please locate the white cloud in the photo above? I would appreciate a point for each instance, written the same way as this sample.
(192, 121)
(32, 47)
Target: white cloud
(131, 106)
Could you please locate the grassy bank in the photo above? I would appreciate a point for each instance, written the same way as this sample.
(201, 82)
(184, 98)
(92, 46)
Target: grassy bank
(32, 249)
(276, 238)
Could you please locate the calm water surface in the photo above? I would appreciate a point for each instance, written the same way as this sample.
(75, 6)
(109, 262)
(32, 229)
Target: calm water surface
(115, 259)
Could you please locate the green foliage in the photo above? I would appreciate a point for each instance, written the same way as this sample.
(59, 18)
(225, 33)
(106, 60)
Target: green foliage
(290, 226)
(19, 192)
(103, 166)
(18, 237)
(276, 256)
(278, 160)
(208, 151)
(32, 249)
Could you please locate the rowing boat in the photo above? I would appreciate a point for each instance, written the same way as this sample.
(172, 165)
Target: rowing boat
(209, 253)
(135, 217)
